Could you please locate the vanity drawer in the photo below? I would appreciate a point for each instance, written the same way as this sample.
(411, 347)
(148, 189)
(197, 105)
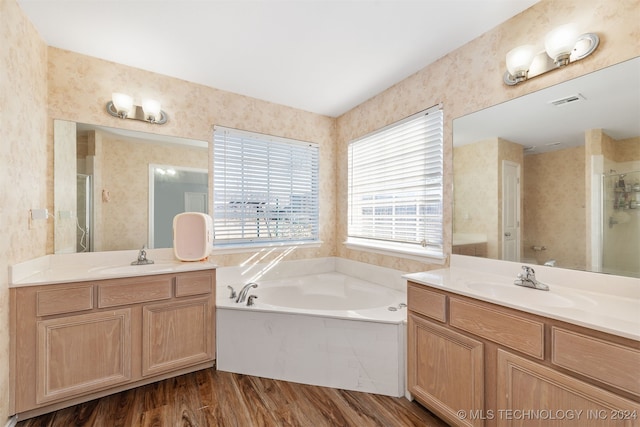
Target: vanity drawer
(427, 303)
(128, 291)
(193, 284)
(601, 360)
(518, 333)
(66, 300)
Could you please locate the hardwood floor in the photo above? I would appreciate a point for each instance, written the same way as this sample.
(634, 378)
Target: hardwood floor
(214, 398)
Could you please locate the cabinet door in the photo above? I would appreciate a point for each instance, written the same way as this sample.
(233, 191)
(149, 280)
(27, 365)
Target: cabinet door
(446, 371)
(532, 394)
(176, 335)
(80, 354)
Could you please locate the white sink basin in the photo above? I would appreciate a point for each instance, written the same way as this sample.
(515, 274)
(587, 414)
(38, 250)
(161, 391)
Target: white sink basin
(527, 296)
(134, 269)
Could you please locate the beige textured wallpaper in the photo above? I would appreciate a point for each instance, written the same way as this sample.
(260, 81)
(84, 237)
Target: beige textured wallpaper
(470, 78)
(476, 191)
(477, 181)
(24, 160)
(80, 87)
(627, 150)
(554, 207)
(125, 164)
(76, 87)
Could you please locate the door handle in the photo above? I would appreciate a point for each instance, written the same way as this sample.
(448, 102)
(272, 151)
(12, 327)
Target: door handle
(507, 234)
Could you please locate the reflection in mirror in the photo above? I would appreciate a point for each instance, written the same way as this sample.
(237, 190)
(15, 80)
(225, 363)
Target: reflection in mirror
(173, 190)
(110, 192)
(549, 178)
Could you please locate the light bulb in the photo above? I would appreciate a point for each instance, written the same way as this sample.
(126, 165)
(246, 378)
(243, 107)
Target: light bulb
(559, 43)
(519, 60)
(123, 103)
(151, 109)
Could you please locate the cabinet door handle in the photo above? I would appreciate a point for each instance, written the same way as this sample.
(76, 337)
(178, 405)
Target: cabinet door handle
(507, 234)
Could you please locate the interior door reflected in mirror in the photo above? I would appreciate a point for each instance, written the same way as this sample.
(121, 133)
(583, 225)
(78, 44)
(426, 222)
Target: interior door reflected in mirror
(110, 193)
(538, 179)
(173, 190)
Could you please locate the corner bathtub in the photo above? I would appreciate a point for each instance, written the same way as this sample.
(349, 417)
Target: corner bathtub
(326, 329)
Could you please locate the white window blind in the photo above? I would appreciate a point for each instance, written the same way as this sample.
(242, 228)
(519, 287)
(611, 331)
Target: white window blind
(265, 188)
(395, 184)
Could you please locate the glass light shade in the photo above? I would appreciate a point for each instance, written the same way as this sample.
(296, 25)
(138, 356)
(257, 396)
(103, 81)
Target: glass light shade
(561, 41)
(519, 59)
(151, 109)
(122, 102)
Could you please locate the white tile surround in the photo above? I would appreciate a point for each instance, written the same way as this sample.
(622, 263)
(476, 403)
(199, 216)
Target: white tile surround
(360, 355)
(347, 354)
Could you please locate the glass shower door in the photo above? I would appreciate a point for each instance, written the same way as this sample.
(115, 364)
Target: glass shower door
(84, 213)
(621, 224)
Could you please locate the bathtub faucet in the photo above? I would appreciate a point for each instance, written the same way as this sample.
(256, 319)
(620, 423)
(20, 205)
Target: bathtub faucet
(528, 279)
(242, 296)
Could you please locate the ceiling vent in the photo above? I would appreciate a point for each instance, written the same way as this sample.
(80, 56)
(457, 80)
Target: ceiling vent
(568, 100)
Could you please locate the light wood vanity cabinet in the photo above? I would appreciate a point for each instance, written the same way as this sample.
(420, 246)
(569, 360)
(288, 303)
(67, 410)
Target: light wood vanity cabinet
(446, 369)
(479, 364)
(75, 342)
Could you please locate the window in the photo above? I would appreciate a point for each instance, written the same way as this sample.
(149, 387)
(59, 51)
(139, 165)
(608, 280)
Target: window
(265, 188)
(395, 186)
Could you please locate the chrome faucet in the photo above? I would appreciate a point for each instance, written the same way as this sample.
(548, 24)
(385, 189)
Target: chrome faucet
(242, 296)
(232, 295)
(142, 258)
(527, 278)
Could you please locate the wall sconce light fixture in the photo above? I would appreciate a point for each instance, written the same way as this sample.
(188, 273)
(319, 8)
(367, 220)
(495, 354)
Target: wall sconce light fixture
(563, 46)
(121, 105)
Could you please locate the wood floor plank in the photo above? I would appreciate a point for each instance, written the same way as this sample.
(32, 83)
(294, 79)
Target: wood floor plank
(155, 417)
(404, 412)
(283, 405)
(232, 409)
(211, 398)
(186, 401)
(255, 401)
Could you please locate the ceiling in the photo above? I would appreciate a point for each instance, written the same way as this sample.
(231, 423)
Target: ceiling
(607, 99)
(322, 56)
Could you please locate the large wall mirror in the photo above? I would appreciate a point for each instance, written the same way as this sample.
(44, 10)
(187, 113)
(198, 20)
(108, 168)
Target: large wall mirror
(553, 177)
(117, 190)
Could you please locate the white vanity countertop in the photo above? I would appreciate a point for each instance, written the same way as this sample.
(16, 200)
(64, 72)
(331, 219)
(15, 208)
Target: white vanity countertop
(605, 303)
(67, 268)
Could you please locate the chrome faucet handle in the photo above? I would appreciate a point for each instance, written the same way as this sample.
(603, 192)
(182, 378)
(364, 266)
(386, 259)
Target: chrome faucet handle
(528, 272)
(250, 300)
(233, 292)
(142, 257)
(527, 278)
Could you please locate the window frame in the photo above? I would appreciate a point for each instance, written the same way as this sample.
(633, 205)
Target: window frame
(434, 186)
(269, 155)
